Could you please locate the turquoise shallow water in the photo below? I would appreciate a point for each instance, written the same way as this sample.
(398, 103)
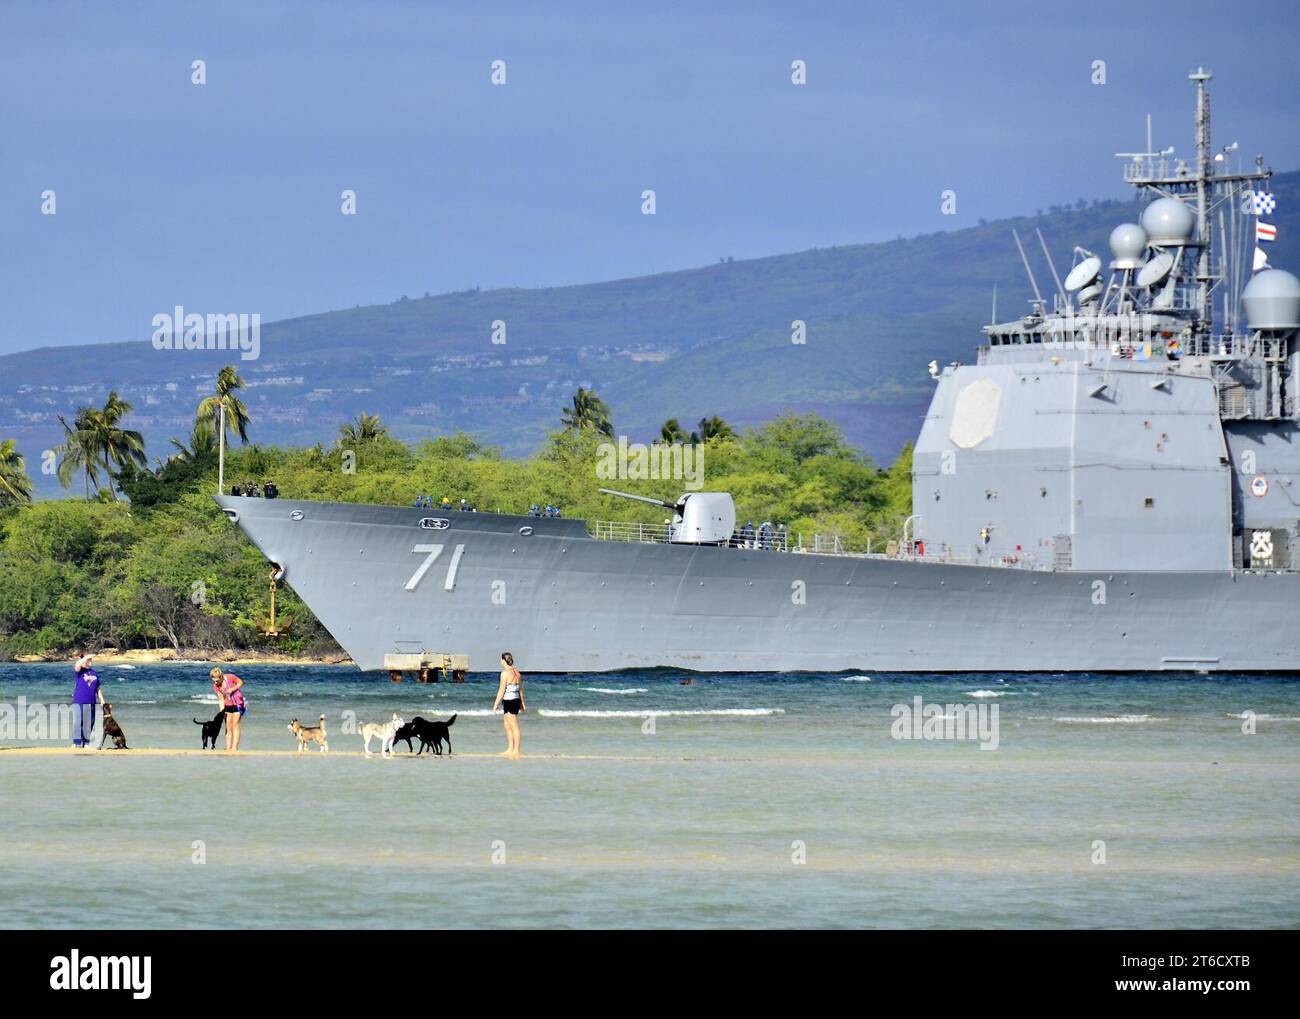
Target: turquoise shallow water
(694, 823)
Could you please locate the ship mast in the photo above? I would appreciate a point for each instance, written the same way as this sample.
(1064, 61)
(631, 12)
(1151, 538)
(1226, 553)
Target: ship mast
(1203, 188)
(1204, 170)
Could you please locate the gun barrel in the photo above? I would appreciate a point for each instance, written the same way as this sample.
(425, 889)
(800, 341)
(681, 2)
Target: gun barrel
(640, 498)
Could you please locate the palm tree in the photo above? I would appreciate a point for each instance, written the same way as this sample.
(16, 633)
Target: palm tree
(365, 428)
(672, 433)
(118, 446)
(203, 443)
(15, 485)
(713, 428)
(588, 411)
(225, 408)
(95, 440)
(79, 450)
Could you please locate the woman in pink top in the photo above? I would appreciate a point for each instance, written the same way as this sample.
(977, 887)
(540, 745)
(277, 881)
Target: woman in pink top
(229, 689)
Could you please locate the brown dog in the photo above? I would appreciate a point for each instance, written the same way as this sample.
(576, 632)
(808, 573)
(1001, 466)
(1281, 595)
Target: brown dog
(111, 728)
(310, 734)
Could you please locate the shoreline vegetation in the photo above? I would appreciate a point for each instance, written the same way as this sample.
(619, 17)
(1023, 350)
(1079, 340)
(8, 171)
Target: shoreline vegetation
(140, 560)
(195, 656)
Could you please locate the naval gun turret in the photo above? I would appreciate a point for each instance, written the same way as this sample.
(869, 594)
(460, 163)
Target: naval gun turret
(699, 518)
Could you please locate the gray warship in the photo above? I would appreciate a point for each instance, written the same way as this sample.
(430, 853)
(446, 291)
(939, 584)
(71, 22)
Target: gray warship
(1109, 487)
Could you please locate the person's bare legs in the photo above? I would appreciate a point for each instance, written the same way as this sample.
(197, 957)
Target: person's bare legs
(230, 732)
(505, 722)
(515, 738)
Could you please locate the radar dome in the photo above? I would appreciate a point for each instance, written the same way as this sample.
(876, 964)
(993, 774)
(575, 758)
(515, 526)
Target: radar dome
(1167, 221)
(1272, 300)
(1127, 243)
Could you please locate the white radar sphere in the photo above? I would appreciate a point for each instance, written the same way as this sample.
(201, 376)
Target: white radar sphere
(1272, 300)
(1128, 243)
(1167, 221)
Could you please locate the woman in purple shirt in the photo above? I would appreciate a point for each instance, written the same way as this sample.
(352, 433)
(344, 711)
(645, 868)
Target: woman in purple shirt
(85, 696)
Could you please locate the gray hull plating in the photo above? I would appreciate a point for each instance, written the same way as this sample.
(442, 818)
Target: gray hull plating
(565, 602)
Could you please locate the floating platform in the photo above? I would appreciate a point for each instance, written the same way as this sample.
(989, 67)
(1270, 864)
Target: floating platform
(427, 666)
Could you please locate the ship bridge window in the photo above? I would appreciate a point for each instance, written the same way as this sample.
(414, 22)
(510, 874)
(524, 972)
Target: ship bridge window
(1038, 337)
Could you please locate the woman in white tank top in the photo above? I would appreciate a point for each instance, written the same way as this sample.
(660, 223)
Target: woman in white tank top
(510, 699)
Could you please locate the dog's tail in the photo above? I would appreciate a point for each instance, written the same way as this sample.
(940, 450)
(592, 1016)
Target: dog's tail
(452, 720)
(197, 722)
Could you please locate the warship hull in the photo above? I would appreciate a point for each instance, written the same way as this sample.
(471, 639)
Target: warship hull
(564, 601)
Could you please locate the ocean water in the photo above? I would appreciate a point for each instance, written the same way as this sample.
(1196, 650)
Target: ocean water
(752, 801)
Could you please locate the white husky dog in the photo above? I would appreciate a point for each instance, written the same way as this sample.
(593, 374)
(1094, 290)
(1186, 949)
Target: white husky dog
(385, 733)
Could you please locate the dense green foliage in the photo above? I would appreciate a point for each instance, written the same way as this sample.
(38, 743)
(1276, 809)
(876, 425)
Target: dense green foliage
(15, 483)
(169, 570)
(79, 574)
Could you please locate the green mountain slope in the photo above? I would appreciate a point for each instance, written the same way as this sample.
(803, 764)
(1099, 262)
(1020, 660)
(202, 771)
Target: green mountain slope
(711, 340)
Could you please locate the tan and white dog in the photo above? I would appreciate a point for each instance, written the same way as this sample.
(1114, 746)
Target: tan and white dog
(386, 733)
(310, 734)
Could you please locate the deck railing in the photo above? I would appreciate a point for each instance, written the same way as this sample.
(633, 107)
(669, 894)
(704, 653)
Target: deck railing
(823, 544)
(618, 530)
(1270, 348)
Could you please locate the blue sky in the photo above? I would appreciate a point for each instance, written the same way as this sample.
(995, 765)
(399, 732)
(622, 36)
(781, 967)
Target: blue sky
(225, 197)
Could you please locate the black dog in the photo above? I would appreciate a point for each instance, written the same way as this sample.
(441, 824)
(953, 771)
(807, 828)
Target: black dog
(432, 734)
(404, 734)
(111, 728)
(211, 730)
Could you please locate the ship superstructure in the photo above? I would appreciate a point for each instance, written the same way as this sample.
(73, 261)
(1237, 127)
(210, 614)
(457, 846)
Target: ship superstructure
(1136, 424)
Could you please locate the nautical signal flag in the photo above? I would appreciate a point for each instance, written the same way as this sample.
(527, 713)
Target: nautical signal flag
(1261, 260)
(1265, 232)
(1259, 203)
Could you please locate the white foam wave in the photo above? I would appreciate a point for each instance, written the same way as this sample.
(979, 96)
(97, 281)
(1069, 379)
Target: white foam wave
(986, 693)
(658, 713)
(610, 689)
(475, 713)
(1109, 719)
(1268, 718)
(855, 679)
(124, 666)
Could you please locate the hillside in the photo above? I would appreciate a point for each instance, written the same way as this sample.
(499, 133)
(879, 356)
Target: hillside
(711, 340)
